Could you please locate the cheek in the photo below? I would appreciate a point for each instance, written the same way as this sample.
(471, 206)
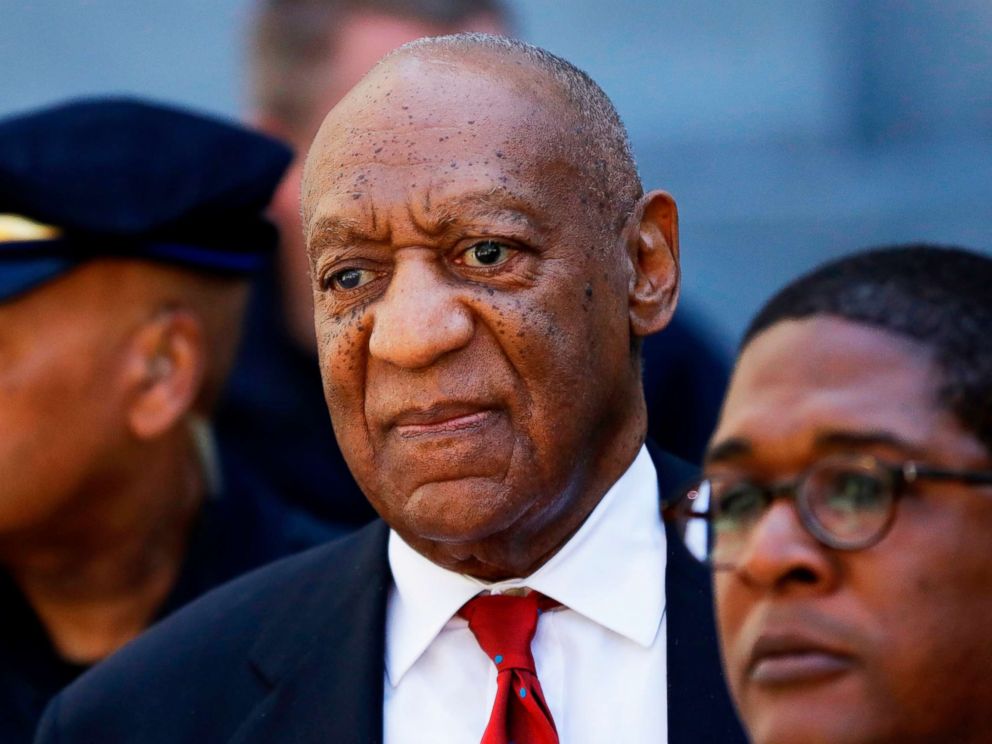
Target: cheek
(566, 322)
(545, 356)
(935, 580)
(342, 344)
(732, 607)
(340, 350)
(52, 429)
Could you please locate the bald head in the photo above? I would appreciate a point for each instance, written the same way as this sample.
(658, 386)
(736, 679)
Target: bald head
(564, 114)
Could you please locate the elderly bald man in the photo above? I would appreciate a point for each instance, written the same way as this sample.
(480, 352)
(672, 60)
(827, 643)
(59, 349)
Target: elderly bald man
(484, 265)
(305, 55)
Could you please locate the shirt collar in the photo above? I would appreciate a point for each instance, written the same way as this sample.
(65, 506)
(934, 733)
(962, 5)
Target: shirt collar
(612, 571)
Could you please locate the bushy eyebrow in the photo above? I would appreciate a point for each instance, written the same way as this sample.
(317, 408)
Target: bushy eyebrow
(433, 218)
(864, 440)
(330, 229)
(729, 449)
(490, 203)
(737, 448)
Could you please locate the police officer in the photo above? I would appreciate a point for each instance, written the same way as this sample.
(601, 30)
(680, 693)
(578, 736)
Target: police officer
(127, 233)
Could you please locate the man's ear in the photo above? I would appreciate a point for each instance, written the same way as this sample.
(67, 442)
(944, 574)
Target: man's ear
(165, 372)
(653, 248)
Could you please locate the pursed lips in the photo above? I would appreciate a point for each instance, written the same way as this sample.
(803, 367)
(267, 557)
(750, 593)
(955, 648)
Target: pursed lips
(783, 658)
(441, 418)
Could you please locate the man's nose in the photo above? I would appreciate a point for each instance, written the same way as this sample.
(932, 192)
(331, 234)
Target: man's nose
(421, 317)
(781, 554)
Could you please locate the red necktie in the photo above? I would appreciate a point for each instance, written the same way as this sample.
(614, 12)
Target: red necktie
(504, 627)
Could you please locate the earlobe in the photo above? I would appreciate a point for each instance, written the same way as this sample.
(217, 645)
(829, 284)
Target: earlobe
(653, 245)
(167, 369)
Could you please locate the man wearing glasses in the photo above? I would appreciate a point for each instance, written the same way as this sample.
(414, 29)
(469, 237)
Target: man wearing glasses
(847, 505)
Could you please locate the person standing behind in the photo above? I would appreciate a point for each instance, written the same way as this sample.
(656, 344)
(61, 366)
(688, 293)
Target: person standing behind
(847, 505)
(127, 234)
(304, 55)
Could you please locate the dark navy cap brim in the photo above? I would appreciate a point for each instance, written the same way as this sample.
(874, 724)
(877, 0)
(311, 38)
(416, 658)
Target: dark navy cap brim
(23, 265)
(22, 274)
(122, 177)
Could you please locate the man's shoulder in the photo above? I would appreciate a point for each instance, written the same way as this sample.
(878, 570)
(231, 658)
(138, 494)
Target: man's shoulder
(231, 616)
(195, 672)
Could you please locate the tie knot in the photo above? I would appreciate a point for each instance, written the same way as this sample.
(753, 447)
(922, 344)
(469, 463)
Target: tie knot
(504, 626)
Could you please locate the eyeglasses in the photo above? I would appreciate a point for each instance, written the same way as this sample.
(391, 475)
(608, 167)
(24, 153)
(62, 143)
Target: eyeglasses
(845, 502)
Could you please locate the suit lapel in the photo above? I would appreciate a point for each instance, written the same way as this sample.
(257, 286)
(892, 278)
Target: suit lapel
(699, 707)
(323, 654)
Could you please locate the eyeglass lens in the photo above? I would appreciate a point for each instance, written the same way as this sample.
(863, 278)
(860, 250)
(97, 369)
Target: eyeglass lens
(845, 505)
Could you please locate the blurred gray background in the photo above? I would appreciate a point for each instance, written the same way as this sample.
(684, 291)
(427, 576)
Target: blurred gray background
(788, 130)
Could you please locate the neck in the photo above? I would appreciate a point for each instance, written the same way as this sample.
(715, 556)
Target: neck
(98, 577)
(548, 525)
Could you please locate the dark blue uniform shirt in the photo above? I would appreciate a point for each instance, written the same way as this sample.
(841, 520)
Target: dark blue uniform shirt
(239, 529)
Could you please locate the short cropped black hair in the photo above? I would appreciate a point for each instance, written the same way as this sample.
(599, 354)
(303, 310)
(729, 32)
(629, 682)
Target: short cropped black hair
(939, 296)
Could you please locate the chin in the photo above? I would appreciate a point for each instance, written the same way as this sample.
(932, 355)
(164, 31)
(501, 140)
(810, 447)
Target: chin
(803, 724)
(465, 510)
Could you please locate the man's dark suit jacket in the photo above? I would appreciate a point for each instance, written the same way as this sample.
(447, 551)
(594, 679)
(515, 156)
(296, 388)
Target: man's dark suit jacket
(238, 529)
(295, 653)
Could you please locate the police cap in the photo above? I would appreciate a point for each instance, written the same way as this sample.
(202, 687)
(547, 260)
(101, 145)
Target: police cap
(128, 178)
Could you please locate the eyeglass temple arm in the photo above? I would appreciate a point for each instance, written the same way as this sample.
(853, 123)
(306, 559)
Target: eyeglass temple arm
(912, 472)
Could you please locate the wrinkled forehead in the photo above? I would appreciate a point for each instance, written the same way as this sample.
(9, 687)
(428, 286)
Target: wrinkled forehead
(421, 90)
(440, 112)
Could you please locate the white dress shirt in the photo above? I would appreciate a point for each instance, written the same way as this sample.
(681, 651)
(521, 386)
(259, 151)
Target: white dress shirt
(600, 658)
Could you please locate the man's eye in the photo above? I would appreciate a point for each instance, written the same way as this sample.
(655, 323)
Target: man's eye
(740, 505)
(350, 278)
(486, 253)
(855, 492)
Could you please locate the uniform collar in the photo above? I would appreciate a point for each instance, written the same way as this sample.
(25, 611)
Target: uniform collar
(612, 571)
